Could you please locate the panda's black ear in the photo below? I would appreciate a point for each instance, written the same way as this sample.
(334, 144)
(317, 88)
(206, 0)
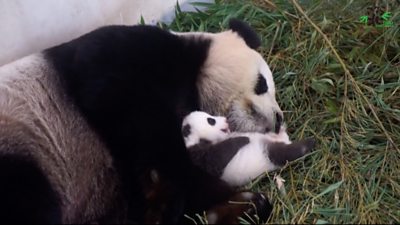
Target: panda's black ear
(246, 32)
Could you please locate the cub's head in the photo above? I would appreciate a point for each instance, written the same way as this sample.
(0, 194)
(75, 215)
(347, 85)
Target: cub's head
(237, 82)
(200, 127)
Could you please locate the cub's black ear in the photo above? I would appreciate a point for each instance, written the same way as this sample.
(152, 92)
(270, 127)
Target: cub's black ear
(246, 32)
(186, 130)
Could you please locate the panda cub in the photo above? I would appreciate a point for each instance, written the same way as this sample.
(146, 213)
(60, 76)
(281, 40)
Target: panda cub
(237, 157)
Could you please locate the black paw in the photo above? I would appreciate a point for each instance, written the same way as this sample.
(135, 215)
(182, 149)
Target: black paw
(263, 207)
(251, 207)
(309, 144)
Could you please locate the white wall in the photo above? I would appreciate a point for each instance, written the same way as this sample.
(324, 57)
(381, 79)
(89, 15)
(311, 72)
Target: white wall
(28, 26)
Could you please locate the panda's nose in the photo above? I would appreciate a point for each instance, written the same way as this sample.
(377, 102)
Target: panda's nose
(278, 121)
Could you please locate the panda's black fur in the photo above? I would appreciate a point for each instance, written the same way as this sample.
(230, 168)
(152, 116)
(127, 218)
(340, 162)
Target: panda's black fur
(38, 205)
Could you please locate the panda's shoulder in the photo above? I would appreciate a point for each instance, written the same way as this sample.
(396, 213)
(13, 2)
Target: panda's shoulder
(140, 54)
(115, 43)
(121, 43)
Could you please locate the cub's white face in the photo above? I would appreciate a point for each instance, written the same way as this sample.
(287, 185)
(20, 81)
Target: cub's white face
(200, 126)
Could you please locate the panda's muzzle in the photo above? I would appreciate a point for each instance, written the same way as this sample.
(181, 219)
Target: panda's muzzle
(225, 130)
(278, 119)
(277, 125)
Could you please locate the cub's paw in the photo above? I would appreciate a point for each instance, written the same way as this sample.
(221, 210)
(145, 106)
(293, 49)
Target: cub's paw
(309, 144)
(251, 207)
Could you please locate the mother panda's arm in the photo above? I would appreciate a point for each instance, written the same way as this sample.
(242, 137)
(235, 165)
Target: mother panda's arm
(214, 158)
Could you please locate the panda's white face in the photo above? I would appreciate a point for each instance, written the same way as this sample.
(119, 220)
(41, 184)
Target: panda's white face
(200, 126)
(237, 82)
(256, 109)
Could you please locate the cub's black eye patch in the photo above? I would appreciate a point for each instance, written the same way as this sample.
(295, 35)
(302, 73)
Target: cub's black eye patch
(186, 130)
(211, 121)
(261, 86)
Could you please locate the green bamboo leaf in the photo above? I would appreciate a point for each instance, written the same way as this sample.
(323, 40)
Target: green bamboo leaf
(319, 221)
(331, 188)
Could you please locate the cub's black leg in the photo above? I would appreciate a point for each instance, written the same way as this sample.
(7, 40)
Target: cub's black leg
(280, 153)
(26, 195)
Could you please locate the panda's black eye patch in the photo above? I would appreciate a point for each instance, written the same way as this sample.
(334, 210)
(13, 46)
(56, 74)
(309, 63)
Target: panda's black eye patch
(261, 86)
(211, 121)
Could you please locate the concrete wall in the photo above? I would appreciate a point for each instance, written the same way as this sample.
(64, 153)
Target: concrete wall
(28, 26)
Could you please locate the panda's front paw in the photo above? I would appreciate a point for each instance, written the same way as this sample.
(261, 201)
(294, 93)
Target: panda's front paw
(252, 207)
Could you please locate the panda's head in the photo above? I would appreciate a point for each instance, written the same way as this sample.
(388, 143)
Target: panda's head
(198, 127)
(237, 82)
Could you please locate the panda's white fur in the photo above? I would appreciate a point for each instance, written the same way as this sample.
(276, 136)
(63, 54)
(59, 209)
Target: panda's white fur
(251, 159)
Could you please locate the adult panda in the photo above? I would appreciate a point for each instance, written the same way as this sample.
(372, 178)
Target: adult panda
(90, 129)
